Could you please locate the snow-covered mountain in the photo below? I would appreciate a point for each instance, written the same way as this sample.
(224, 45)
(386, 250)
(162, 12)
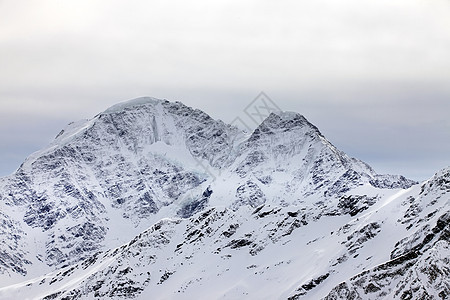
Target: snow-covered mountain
(153, 199)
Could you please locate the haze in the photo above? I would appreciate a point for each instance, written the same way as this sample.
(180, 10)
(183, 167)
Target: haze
(373, 76)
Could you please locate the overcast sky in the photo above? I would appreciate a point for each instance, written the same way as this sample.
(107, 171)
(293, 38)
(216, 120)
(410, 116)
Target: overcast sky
(374, 76)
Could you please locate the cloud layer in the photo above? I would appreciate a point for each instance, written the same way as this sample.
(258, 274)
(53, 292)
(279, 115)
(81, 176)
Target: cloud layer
(372, 75)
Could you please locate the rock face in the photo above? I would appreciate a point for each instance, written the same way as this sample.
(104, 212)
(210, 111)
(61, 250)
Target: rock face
(155, 199)
(125, 160)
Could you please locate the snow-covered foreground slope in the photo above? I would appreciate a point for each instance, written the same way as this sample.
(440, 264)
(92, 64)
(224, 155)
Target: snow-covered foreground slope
(396, 248)
(155, 200)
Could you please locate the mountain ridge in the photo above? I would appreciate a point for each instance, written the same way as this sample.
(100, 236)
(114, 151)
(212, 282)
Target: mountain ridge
(107, 179)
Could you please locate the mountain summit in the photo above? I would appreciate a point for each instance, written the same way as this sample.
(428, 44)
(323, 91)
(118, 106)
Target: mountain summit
(154, 198)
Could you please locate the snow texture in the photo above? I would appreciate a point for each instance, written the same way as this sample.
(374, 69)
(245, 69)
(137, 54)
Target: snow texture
(154, 199)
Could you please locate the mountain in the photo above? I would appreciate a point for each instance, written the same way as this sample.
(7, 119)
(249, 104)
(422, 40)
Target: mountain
(154, 199)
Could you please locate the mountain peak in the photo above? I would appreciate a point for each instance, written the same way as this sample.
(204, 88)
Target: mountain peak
(132, 103)
(286, 114)
(104, 180)
(286, 120)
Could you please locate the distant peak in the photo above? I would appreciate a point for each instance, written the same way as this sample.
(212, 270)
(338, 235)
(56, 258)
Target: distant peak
(286, 120)
(287, 114)
(132, 103)
(283, 121)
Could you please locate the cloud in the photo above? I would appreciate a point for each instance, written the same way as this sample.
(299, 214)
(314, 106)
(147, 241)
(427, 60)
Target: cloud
(378, 64)
(225, 44)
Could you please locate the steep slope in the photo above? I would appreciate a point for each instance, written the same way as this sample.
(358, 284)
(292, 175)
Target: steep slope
(105, 180)
(419, 265)
(287, 156)
(275, 253)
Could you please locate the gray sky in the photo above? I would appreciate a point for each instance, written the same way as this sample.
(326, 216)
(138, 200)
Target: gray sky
(374, 76)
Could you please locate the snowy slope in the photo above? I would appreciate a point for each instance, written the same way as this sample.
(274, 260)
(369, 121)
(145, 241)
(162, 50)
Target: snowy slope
(212, 212)
(106, 179)
(272, 253)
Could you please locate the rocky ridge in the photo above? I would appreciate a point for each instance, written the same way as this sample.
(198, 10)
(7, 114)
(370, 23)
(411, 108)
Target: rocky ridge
(72, 208)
